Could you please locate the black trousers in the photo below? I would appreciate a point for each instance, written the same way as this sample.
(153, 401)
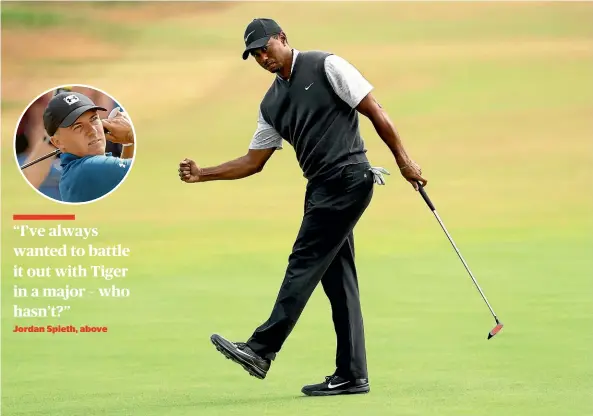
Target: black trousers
(324, 251)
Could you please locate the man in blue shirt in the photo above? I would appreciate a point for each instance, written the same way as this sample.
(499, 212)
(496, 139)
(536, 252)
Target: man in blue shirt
(72, 121)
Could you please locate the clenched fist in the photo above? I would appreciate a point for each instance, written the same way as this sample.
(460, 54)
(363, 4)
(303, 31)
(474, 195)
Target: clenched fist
(189, 172)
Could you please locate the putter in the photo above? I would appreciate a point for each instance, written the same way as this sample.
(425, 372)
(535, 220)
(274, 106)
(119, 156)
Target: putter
(39, 159)
(499, 325)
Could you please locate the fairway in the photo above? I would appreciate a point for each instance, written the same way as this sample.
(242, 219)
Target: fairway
(494, 101)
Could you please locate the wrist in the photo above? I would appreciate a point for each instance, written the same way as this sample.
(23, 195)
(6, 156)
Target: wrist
(129, 139)
(201, 176)
(403, 162)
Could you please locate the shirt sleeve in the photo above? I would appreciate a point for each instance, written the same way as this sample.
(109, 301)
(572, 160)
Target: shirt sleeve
(105, 172)
(265, 136)
(346, 80)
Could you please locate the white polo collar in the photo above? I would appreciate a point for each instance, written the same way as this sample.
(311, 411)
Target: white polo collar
(295, 53)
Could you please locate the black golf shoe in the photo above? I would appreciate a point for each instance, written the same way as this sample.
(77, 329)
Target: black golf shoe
(240, 353)
(337, 385)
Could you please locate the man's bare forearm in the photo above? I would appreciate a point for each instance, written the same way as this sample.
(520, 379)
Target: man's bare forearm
(127, 152)
(235, 169)
(386, 130)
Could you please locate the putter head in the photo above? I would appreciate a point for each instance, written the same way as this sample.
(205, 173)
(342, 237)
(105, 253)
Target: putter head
(495, 330)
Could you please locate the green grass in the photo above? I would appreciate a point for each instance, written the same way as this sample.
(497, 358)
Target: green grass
(503, 134)
(30, 16)
(35, 15)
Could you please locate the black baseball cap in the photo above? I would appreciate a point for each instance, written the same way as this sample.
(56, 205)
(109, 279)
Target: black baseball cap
(257, 34)
(65, 108)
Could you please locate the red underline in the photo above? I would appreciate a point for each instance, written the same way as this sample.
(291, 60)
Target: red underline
(17, 217)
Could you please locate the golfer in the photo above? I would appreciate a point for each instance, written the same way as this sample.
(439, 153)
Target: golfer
(313, 104)
(72, 121)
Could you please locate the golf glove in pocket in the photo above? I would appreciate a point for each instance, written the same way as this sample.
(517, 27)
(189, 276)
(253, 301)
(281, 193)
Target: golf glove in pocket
(378, 175)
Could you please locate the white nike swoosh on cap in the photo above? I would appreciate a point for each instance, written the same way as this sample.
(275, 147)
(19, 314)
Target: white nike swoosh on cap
(333, 386)
(249, 34)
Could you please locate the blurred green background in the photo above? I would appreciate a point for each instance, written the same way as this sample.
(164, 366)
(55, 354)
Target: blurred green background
(494, 100)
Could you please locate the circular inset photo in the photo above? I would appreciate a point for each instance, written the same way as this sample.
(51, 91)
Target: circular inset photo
(74, 144)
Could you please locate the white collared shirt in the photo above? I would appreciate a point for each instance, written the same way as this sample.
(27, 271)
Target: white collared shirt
(295, 53)
(345, 79)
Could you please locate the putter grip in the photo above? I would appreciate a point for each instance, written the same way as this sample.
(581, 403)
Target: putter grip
(425, 197)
